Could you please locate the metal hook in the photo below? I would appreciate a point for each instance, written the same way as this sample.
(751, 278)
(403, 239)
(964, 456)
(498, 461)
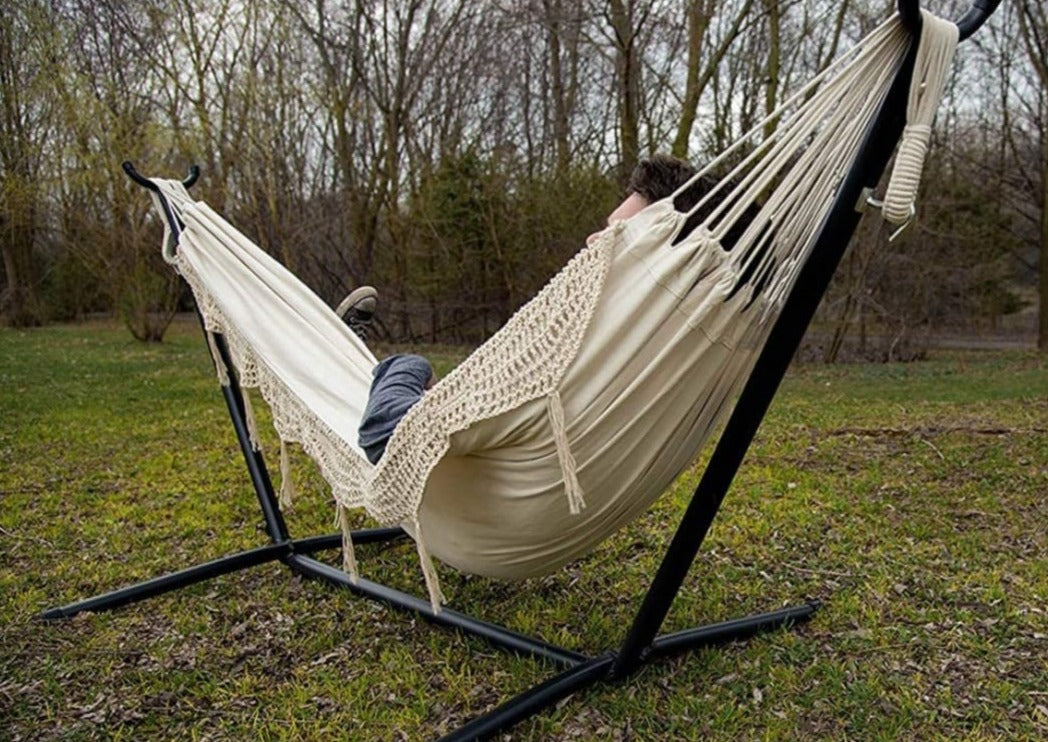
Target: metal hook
(867, 202)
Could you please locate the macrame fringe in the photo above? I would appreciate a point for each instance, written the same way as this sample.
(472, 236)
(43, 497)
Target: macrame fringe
(249, 418)
(568, 466)
(931, 70)
(220, 366)
(429, 571)
(287, 484)
(349, 556)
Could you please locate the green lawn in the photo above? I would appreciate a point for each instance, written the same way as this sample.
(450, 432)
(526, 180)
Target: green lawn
(911, 499)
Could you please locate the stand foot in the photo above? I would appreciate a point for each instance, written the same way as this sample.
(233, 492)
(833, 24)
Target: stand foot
(494, 634)
(729, 631)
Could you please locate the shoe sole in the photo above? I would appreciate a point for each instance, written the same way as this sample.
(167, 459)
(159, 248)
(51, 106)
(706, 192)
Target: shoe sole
(357, 297)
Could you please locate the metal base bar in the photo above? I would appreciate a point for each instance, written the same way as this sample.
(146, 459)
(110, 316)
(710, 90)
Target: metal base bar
(492, 633)
(173, 581)
(222, 566)
(729, 631)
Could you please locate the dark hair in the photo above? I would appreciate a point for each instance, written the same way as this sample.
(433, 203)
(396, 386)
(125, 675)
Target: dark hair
(658, 176)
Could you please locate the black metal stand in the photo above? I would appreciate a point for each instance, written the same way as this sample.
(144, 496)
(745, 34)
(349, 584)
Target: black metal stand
(642, 643)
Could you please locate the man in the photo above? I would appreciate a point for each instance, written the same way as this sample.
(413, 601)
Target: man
(401, 380)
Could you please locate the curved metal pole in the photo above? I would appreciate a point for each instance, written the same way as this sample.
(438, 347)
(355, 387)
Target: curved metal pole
(173, 221)
(133, 175)
(194, 174)
(188, 181)
(910, 13)
(976, 16)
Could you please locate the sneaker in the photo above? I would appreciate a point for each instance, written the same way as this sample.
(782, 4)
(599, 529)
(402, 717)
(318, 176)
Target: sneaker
(358, 310)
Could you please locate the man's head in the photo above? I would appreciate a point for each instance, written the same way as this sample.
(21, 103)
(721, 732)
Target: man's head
(652, 180)
(655, 178)
(658, 177)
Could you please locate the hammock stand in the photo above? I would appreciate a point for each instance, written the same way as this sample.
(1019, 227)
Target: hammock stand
(642, 643)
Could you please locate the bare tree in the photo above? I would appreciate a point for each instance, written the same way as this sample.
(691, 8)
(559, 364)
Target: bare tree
(704, 57)
(625, 20)
(456, 153)
(27, 46)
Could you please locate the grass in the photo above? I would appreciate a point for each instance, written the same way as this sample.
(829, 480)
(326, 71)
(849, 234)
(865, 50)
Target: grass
(909, 498)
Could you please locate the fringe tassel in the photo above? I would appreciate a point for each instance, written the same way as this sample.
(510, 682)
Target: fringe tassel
(576, 502)
(349, 556)
(220, 366)
(249, 418)
(287, 485)
(436, 596)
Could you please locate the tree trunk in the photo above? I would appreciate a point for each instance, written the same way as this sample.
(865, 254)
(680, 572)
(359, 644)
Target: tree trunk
(698, 23)
(559, 87)
(627, 78)
(19, 192)
(1042, 333)
(771, 82)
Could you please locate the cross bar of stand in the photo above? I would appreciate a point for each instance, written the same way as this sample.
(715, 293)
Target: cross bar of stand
(725, 632)
(533, 700)
(313, 544)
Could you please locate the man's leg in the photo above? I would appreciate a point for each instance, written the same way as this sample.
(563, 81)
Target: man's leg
(358, 310)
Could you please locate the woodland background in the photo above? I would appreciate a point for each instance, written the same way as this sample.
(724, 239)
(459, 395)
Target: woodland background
(454, 153)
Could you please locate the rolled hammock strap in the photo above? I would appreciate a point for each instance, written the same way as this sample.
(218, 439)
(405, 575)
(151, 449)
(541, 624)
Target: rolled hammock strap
(934, 56)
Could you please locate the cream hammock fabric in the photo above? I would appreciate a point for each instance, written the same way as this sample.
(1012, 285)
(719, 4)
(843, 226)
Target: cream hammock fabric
(579, 412)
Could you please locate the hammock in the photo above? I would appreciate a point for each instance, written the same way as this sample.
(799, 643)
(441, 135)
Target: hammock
(583, 408)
